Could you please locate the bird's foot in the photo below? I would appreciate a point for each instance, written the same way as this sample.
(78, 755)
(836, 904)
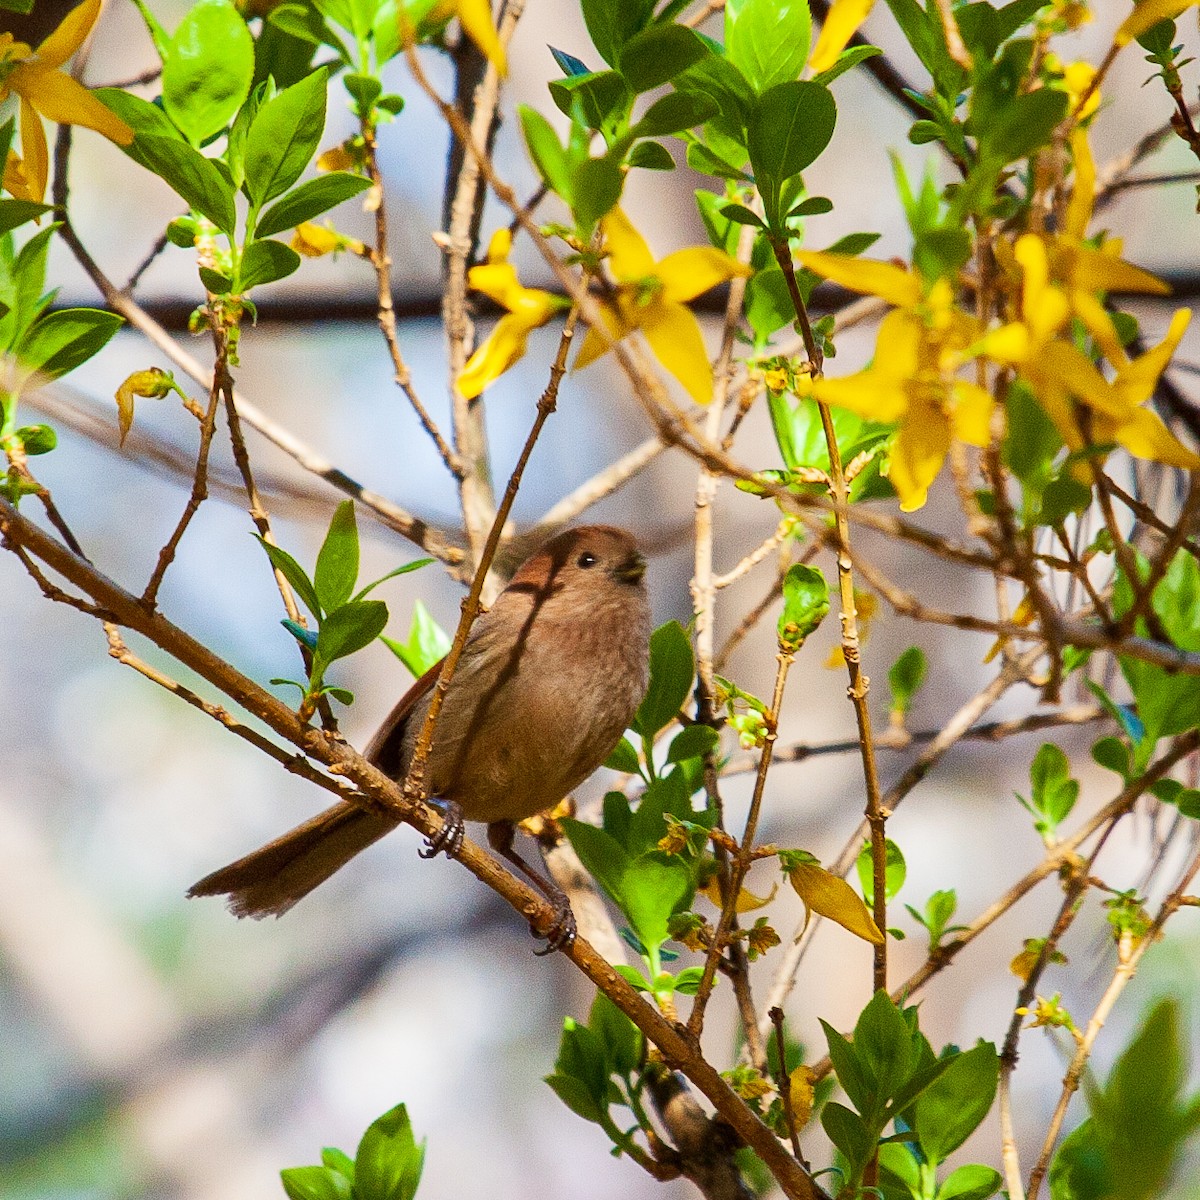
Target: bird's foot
(449, 838)
(562, 931)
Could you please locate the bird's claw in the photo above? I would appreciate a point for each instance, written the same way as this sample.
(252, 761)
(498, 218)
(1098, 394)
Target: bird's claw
(449, 838)
(562, 931)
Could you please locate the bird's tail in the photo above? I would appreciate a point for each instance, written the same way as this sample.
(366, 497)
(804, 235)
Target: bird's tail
(271, 879)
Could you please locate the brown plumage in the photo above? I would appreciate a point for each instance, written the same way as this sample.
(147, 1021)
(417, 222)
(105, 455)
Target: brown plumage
(549, 679)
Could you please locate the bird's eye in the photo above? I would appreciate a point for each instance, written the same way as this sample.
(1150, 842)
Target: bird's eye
(586, 560)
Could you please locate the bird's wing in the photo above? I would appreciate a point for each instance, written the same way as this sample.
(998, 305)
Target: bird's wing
(386, 747)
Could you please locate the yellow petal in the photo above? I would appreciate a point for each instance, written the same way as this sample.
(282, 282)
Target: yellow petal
(476, 19)
(629, 256)
(33, 146)
(500, 247)
(1148, 14)
(70, 34)
(1079, 211)
(747, 901)
(800, 1092)
(886, 280)
(674, 336)
(917, 455)
(60, 98)
(1098, 271)
(1100, 325)
(1043, 306)
(594, 345)
(498, 281)
(833, 897)
(868, 393)
(1008, 344)
(972, 412)
(1144, 435)
(495, 356)
(313, 241)
(688, 273)
(16, 182)
(844, 17)
(1136, 381)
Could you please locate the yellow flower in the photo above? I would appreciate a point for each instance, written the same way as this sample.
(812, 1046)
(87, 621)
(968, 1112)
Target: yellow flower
(528, 309)
(1077, 82)
(650, 296)
(844, 17)
(16, 181)
(1062, 376)
(920, 348)
(44, 89)
(313, 241)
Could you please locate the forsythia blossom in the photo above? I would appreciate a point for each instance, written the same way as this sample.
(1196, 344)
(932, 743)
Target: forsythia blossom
(45, 91)
(650, 296)
(528, 309)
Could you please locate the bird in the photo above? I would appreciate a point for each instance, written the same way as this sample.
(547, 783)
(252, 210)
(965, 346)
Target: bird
(549, 679)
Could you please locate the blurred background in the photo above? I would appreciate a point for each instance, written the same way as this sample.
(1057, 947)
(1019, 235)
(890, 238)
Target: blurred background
(156, 1047)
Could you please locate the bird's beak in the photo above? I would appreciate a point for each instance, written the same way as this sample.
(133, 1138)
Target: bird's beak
(632, 569)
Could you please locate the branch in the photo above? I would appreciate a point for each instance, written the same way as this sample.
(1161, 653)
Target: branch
(378, 792)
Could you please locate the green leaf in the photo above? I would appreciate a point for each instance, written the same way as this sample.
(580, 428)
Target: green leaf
(847, 1131)
(284, 137)
(954, 1106)
(790, 126)
(651, 156)
(208, 68)
(310, 199)
(295, 574)
(810, 206)
(596, 185)
(656, 55)
(36, 439)
(895, 871)
(389, 1160)
(1112, 754)
(652, 888)
(693, 742)
(972, 1182)
(717, 78)
(1054, 792)
(603, 96)
(427, 642)
(546, 151)
(16, 212)
(905, 677)
(338, 1161)
(623, 757)
(265, 262)
(672, 669)
(621, 1037)
(805, 603)
(576, 1095)
(741, 215)
(348, 629)
(315, 1183)
(611, 23)
(337, 561)
(61, 341)
(196, 179)
(885, 1049)
(364, 90)
(403, 569)
(673, 113)
(215, 282)
(849, 58)
(600, 853)
(767, 40)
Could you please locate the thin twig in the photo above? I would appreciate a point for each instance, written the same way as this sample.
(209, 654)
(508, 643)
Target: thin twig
(381, 262)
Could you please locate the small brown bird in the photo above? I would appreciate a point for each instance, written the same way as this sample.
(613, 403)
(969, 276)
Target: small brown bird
(549, 679)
